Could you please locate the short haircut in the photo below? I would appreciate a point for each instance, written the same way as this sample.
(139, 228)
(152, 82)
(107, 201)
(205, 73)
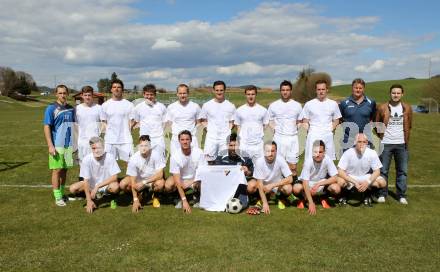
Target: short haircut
(319, 143)
(144, 138)
(286, 83)
(358, 81)
(219, 82)
(185, 132)
(61, 86)
(396, 86)
(151, 88)
(251, 88)
(87, 89)
(233, 137)
(96, 140)
(359, 136)
(117, 81)
(321, 81)
(182, 86)
(271, 143)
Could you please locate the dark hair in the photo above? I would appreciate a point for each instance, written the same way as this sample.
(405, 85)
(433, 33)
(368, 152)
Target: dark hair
(185, 132)
(251, 88)
(117, 81)
(286, 83)
(61, 86)
(182, 86)
(271, 143)
(87, 89)
(219, 82)
(144, 138)
(358, 81)
(151, 88)
(233, 138)
(321, 81)
(396, 86)
(319, 143)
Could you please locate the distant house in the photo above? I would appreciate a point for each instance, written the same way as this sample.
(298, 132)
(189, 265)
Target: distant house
(98, 98)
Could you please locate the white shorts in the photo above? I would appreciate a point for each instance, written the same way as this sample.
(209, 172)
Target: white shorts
(175, 145)
(214, 148)
(287, 147)
(362, 178)
(253, 151)
(120, 151)
(326, 138)
(320, 190)
(158, 141)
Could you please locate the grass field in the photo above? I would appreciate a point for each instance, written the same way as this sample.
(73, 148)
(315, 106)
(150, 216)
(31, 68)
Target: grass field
(37, 236)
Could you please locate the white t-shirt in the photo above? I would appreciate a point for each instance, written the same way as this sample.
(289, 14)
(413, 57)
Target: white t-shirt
(118, 114)
(270, 173)
(313, 171)
(89, 121)
(97, 171)
(394, 131)
(184, 165)
(218, 116)
(285, 115)
(143, 168)
(251, 121)
(151, 118)
(321, 115)
(183, 117)
(359, 165)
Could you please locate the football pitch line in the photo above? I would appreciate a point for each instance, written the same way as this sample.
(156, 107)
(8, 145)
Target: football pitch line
(39, 186)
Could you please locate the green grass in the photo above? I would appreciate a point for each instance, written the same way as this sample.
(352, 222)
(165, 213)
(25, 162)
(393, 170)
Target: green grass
(36, 235)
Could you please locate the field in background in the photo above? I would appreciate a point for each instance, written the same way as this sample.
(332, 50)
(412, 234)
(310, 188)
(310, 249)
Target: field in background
(36, 235)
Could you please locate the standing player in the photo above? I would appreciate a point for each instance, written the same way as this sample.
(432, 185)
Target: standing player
(355, 166)
(320, 117)
(58, 123)
(144, 171)
(88, 116)
(357, 111)
(318, 176)
(284, 116)
(397, 118)
(150, 114)
(99, 170)
(219, 114)
(183, 166)
(251, 119)
(183, 115)
(117, 113)
(272, 174)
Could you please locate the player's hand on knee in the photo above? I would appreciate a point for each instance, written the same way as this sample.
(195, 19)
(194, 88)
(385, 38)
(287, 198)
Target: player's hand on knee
(139, 186)
(93, 193)
(363, 186)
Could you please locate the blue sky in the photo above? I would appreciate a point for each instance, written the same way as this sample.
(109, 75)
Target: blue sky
(242, 42)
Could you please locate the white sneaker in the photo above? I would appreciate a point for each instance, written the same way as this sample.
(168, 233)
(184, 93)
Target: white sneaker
(179, 205)
(60, 203)
(381, 199)
(403, 201)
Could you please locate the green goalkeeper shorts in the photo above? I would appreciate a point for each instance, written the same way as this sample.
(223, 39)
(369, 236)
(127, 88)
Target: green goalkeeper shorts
(63, 159)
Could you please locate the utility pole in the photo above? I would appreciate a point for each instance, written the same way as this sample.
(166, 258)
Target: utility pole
(429, 69)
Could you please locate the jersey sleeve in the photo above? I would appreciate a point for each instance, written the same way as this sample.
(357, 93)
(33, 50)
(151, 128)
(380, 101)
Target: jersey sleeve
(174, 166)
(48, 116)
(336, 112)
(198, 110)
(131, 168)
(266, 117)
(305, 114)
(305, 173)
(285, 170)
(234, 110)
(258, 172)
(375, 162)
(331, 168)
(103, 113)
(203, 112)
(84, 171)
(343, 162)
(114, 167)
(131, 113)
(159, 162)
(237, 119)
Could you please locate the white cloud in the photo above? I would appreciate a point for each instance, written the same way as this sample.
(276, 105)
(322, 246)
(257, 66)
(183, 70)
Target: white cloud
(157, 74)
(165, 44)
(247, 68)
(374, 67)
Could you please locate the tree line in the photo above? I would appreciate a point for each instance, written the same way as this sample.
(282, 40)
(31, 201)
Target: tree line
(16, 82)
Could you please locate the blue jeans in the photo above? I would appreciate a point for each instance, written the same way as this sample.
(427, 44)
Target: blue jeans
(400, 153)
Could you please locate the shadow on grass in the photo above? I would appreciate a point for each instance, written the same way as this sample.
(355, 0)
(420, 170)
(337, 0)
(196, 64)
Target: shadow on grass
(5, 166)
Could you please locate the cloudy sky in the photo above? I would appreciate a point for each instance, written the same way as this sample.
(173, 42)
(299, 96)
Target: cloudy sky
(76, 42)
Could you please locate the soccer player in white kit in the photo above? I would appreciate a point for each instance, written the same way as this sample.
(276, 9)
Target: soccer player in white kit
(355, 168)
(183, 167)
(88, 118)
(183, 115)
(318, 176)
(150, 117)
(100, 172)
(117, 113)
(284, 116)
(320, 117)
(251, 119)
(144, 172)
(219, 114)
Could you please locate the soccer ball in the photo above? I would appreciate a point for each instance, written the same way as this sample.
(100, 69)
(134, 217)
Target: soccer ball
(234, 205)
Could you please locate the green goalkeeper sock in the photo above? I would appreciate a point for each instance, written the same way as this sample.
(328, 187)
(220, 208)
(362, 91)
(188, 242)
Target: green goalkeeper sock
(62, 186)
(57, 194)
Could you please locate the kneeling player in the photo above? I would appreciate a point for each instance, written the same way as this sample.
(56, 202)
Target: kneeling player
(144, 171)
(314, 178)
(354, 167)
(272, 174)
(183, 166)
(99, 170)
